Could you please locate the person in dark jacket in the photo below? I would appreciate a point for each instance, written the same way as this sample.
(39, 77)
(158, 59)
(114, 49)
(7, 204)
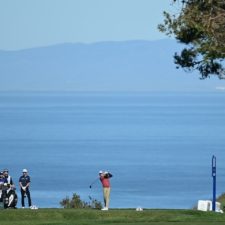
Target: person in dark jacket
(2, 181)
(8, 179)
(24, 183)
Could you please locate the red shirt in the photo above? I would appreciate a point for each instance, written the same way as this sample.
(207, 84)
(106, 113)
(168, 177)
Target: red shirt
(105, 182)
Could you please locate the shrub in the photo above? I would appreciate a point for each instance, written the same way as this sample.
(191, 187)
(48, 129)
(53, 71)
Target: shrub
(76, 203)
(221, 199)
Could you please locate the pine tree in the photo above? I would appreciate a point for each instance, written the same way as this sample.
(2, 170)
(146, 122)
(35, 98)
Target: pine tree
(200, 25)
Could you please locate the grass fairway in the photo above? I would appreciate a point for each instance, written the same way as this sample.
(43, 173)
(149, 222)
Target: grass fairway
(115, 216)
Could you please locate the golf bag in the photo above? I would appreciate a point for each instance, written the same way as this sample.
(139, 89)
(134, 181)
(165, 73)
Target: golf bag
(9, 197)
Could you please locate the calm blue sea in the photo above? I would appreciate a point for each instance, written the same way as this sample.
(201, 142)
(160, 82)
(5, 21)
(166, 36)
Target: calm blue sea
(158, 146)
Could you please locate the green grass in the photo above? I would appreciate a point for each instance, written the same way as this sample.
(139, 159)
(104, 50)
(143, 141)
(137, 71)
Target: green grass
(111, 217)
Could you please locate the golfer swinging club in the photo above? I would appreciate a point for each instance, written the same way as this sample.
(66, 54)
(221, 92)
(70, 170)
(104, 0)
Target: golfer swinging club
(104, 178)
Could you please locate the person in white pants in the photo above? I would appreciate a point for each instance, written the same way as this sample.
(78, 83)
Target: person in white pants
(104, 178)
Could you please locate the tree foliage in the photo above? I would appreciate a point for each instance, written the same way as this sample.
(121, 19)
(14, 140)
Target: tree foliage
(200, 25)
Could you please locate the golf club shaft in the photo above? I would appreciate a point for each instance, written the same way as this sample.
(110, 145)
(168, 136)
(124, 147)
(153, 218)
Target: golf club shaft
(94, 181)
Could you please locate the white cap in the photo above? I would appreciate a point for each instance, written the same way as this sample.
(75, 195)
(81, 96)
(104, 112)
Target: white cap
(100, 172)
(25, 171)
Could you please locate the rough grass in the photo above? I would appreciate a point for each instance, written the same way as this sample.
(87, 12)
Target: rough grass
(116, 216)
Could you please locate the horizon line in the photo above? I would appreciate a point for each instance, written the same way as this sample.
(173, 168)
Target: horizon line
(85, 43)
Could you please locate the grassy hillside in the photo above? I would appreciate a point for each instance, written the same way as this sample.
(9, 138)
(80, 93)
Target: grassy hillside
(97, 217)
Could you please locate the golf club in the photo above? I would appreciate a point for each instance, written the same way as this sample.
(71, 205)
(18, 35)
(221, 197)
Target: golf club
(93, 182)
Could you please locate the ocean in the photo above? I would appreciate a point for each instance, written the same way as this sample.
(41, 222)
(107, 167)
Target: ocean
(158, 146)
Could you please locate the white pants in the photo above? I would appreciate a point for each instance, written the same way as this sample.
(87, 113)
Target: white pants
(106, 195)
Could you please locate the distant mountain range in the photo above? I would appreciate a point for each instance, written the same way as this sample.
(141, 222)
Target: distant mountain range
(103, 66)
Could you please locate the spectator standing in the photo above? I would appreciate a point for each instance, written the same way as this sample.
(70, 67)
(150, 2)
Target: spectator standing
(2, 178)
(24, 183)
(8, 178)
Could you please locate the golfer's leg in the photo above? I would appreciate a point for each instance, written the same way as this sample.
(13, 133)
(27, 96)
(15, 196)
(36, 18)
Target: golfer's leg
(22, 197)
(107, 197)
(28, 197)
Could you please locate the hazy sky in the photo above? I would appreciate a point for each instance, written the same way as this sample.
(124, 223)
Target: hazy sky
(33, 23)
